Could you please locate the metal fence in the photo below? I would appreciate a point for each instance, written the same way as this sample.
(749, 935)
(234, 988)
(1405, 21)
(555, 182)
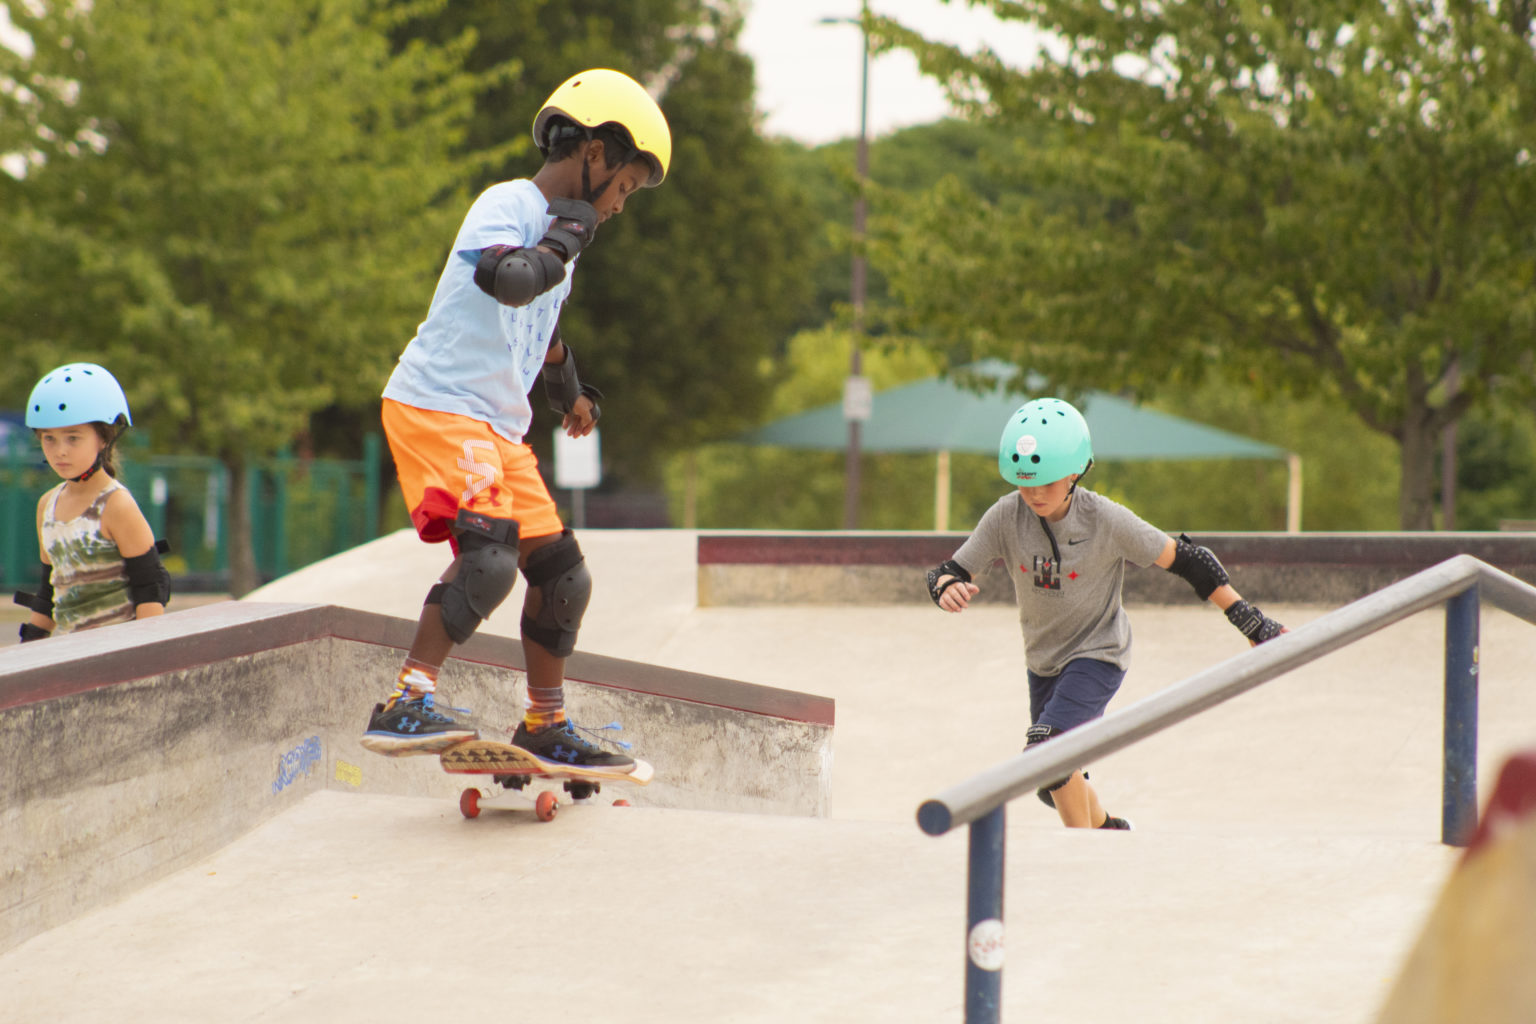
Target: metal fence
(301, 510)
(981, 802)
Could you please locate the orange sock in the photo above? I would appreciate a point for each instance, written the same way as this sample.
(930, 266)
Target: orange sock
(416, 679)
(546, 707)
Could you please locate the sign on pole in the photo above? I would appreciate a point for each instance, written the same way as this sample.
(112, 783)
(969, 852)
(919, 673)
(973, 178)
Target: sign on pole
(578, 461)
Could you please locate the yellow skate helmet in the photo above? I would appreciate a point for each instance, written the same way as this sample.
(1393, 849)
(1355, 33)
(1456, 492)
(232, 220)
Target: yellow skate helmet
(602, 96)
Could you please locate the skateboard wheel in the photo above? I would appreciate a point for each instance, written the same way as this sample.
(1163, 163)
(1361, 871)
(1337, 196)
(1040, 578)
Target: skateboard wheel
(469, 803)
(621, 803)
(545, 806)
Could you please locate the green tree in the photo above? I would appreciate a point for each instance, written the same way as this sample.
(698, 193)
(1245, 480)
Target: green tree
(906, 162)
(1290, 196)
(237, 208)
(1496, 469)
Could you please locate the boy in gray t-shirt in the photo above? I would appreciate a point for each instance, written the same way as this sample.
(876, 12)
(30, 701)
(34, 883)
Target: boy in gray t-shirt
(1066, 548)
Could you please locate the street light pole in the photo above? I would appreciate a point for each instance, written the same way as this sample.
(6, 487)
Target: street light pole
(857, 397)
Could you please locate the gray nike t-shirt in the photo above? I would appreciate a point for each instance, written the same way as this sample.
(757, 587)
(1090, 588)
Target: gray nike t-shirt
(1071, 610)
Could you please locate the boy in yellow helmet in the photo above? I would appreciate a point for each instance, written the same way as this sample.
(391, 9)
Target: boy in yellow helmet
(456, 410)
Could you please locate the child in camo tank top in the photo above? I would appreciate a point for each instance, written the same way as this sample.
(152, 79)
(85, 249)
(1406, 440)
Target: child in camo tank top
(100, 560)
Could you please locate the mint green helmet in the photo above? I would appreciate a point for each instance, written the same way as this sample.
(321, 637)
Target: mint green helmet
(1044, 441)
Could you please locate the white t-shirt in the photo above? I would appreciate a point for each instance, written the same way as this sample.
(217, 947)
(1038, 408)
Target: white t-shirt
(472, 355)
(1071, 610)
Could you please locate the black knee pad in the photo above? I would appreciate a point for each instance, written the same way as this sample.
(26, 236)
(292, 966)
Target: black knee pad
(487, 573)
(1039, 734)
(559, 572)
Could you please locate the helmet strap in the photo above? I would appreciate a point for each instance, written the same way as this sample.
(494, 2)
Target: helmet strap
(589, 194)
(1073, 489)
(83, 477)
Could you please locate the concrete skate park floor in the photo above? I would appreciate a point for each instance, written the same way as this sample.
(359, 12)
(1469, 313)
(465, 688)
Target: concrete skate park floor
(1286, 850)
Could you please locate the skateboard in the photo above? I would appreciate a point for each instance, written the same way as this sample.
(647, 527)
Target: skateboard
(515, 768)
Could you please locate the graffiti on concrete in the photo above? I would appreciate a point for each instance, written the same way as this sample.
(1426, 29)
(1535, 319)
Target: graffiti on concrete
(297, 763)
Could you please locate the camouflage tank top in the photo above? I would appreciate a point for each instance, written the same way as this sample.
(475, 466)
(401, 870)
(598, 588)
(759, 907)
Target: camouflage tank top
(90, 581)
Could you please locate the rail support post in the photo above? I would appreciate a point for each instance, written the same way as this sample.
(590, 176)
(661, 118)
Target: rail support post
(1458, 816)
(984, 919)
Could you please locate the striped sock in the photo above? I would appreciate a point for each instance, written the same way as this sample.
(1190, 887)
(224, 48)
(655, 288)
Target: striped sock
(416, 679)
(546, 707)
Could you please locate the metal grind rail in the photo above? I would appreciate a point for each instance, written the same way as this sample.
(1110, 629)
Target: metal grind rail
(981, 801)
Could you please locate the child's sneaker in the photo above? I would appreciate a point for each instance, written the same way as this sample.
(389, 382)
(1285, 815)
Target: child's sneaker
(562, 745)
(405, 727)
(1121, 824)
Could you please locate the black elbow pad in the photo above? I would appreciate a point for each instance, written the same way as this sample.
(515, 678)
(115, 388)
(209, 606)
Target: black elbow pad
(514, 276)
(149, 582)
(1198, 566)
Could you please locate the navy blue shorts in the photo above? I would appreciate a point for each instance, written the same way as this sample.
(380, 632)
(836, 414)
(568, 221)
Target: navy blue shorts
(1079, 694)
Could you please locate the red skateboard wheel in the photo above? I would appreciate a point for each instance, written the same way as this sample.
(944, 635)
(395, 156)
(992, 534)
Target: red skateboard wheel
(469, 803)
(545, 806)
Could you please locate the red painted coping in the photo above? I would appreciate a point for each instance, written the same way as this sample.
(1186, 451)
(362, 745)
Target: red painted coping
(79, 662)
(1514, 798)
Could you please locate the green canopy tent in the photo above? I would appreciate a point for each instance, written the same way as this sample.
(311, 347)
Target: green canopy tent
(943, 415)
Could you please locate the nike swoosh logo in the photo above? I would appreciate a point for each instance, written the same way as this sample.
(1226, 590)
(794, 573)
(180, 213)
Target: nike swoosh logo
(1078, 541)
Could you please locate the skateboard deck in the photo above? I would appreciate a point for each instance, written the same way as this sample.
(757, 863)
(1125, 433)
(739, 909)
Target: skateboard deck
(514, 768)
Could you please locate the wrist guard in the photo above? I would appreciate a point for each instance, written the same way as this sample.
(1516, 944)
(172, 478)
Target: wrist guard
(1252, 623)
(149, 581)
(562, 386)
(30, 632)
(42, 601)
(950, 568)
(1198, 566)
(574, 225)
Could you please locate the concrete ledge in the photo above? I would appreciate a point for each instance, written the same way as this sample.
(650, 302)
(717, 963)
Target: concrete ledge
(136, 749)
(887, 568)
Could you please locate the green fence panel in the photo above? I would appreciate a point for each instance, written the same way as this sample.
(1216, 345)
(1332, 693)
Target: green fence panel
(301, 510)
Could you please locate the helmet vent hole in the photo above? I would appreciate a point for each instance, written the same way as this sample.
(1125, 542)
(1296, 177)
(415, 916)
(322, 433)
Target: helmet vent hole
(1035, 459)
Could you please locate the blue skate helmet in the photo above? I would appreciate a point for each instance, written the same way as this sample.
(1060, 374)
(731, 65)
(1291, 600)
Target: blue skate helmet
(81, 393)
(1044, 441)
(77, 393)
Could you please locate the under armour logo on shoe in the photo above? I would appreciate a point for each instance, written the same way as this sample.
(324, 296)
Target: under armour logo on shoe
(561, 752)
(409, 726)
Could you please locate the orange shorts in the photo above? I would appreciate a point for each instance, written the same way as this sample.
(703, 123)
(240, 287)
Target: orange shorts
(447, 462)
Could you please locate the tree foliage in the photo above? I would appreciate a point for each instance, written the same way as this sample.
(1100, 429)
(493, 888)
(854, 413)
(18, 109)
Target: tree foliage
(233, 207)
(1287, 195)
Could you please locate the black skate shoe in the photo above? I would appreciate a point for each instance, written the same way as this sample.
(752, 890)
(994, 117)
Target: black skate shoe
(561, 745)
(1119, 824)
(409, 727)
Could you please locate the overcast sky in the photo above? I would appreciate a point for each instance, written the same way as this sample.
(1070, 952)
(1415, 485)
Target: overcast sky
(808, 73)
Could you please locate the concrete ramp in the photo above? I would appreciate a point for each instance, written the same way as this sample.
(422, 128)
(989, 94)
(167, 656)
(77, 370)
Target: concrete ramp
(1285, 858)
(135, 749)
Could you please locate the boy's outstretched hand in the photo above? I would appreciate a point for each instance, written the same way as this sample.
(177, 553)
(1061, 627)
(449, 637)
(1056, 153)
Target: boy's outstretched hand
(957, 598)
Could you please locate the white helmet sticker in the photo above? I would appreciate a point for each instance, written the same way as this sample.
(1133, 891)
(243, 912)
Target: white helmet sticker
(1026, 445)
